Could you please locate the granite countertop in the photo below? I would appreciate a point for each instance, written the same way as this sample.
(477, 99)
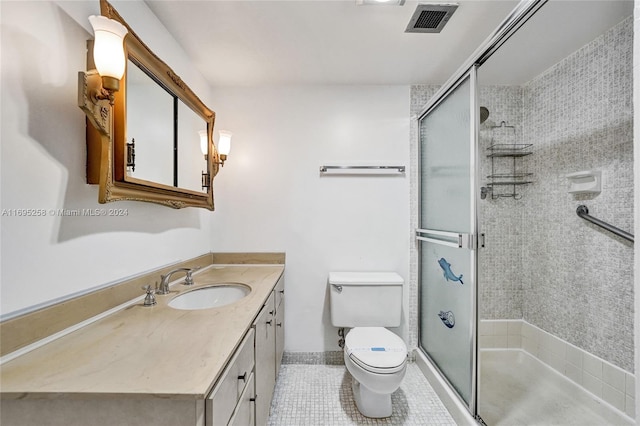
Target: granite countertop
(145, 352)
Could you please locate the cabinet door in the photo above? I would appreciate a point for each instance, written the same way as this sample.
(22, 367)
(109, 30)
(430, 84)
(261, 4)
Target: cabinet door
(279, 323)
(265, 360)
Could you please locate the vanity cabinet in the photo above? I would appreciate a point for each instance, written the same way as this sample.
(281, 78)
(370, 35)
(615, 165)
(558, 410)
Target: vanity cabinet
(231, 397)
(269, 347)
(279, 293)
(265, 352)
(217, 364)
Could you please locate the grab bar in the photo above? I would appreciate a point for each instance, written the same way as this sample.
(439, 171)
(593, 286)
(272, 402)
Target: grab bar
(583, 212)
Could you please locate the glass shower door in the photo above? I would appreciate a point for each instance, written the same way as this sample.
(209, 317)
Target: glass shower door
(446, 237)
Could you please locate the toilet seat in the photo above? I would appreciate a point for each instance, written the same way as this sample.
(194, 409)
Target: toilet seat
(376, 349)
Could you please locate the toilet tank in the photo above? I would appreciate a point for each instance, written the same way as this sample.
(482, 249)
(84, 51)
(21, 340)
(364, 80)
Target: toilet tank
(365, 299)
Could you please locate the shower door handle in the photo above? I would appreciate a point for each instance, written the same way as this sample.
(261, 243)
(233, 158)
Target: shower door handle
(459, 240)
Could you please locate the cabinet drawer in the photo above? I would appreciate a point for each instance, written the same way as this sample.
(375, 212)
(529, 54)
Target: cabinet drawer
(225, 395)
(245, 361)
(244, 413)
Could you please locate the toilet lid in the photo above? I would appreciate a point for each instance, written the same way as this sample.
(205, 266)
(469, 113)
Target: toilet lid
(376, 349)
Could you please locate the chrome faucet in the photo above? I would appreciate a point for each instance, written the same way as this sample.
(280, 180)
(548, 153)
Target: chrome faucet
(164, 279)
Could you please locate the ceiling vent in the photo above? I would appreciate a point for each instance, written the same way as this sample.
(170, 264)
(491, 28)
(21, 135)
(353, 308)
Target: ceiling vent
(430, 18)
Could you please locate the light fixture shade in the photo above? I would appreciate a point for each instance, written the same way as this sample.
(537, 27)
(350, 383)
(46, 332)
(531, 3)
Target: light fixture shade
(224, 142)
(204, 142)
(108, 50)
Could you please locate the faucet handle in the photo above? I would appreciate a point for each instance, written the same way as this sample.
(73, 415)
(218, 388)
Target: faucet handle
(189, 278)
(150, 298)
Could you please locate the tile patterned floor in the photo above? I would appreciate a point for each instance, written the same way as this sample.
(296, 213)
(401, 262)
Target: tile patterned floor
(320, 395)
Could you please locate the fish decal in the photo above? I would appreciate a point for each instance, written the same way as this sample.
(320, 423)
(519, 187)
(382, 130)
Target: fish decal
(447, 318)
(448, 275)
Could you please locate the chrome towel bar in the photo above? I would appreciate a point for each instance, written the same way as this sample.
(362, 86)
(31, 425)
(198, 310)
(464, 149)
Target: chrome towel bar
(324, 169)
(583, 212)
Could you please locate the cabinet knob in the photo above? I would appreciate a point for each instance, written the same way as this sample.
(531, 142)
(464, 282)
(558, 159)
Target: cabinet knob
(279, 324)
(269, 322)
(253, 399)
(243, 377)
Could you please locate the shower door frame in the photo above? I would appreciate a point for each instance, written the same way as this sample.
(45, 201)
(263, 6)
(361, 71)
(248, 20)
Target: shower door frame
(518, 17)
(472, 243)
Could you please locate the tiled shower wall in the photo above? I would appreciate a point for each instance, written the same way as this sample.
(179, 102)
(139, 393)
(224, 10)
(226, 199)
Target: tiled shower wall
(577, 279)
(500, 219)
(541, 262)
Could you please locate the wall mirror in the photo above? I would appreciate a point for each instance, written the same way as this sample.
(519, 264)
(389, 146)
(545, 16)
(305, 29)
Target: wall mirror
(153, 153)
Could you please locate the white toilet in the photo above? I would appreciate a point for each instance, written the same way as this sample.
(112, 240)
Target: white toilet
(367, 302)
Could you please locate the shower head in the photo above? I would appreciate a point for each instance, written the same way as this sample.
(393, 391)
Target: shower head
(484, 114)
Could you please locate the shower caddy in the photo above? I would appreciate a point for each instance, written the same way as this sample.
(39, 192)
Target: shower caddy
(512, 177)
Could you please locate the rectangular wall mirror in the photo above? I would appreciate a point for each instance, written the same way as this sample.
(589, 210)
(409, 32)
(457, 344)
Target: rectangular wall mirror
(153, 153)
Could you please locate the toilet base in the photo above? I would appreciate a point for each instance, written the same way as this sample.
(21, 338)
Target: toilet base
(369, 403)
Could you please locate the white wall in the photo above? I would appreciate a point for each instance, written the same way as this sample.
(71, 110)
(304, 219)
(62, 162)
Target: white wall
(43, 163)
(271, 197)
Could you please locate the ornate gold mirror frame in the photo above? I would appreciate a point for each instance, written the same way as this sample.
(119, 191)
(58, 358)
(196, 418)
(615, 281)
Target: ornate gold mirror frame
(107, 155)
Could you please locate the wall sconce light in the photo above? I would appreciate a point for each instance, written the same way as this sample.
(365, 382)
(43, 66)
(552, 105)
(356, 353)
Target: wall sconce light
(224, 145)
(96, 87)
(204, 143)
(108, 52)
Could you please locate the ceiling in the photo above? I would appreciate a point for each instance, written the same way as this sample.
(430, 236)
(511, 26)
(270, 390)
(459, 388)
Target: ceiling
(303, 42)
(558, 29)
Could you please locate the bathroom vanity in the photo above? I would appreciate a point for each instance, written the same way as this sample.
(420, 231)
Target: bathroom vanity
(159, 365)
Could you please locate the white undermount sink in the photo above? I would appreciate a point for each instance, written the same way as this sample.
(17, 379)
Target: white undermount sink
(213, 296)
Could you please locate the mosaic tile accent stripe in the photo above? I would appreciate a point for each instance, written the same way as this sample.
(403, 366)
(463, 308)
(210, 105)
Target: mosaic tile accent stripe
(314, 358)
